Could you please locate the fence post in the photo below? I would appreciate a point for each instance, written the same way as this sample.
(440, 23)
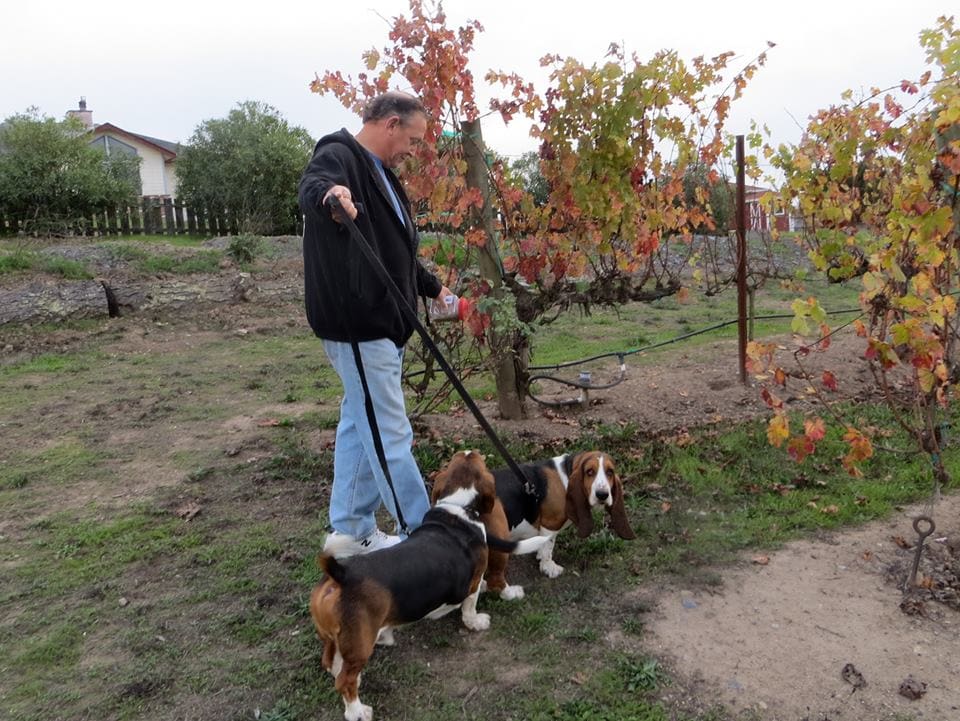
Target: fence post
(191, 221)
(156, 212)
(179, 209)
(741, 263)
(112, 220)
(136, 219)
(147, 217)
(170, 225)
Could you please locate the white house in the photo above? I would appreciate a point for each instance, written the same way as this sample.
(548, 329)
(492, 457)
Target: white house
(158, 158)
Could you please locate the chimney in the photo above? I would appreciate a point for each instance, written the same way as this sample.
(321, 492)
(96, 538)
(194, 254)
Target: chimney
(85, 116)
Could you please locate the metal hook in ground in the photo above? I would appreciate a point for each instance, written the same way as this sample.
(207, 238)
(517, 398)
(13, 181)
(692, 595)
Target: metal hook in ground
(922, 534)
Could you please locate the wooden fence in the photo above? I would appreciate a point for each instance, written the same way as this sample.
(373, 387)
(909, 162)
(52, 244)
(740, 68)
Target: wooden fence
(153, 216)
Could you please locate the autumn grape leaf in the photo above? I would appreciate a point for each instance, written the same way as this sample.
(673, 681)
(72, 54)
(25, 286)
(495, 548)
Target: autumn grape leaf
(778, 430)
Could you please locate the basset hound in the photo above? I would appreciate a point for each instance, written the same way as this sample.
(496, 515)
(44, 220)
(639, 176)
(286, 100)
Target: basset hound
(433, 571)
(564, 491)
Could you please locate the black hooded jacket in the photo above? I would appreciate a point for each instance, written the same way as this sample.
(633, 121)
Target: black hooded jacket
(345, 300)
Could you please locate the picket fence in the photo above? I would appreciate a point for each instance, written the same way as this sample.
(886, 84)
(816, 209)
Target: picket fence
(152, 216)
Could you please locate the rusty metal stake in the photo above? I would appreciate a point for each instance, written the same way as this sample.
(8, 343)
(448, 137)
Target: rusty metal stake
(912, 581)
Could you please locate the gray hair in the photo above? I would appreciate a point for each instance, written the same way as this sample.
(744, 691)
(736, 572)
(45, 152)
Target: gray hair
(393, 103)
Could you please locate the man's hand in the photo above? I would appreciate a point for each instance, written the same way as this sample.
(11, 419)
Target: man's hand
(342, 193)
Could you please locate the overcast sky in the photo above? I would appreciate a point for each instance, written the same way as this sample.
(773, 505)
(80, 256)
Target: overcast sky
(160, 69)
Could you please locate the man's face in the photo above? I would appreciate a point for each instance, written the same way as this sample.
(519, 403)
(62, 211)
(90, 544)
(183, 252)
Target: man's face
(403, 138)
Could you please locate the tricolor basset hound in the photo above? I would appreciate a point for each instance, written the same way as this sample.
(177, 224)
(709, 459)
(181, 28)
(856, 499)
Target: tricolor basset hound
(565, 489)
(436, 569)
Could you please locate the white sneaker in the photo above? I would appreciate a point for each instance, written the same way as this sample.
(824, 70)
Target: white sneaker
(342, 545)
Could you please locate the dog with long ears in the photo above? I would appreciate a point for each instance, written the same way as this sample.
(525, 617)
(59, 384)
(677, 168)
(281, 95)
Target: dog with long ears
(436, 569)
(565, 491)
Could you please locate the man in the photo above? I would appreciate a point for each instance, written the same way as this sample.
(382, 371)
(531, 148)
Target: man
(347, 303)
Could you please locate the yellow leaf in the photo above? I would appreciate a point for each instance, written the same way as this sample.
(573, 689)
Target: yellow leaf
(778, 430)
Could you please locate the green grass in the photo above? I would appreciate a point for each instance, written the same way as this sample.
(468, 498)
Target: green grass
(62, 463)
(182, 241)
(637, 325)
(25, 261)
(13, 262)
(145, 261)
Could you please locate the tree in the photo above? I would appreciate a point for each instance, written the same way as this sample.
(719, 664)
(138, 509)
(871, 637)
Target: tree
(248, 164)
(527, 169)
(876, 181)
(616, 141)
(714, 199)
(52, 180)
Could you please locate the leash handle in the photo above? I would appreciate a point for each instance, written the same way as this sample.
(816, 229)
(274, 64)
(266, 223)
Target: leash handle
(334, 203)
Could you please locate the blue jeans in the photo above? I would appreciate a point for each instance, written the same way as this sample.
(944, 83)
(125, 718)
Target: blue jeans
(359, 486)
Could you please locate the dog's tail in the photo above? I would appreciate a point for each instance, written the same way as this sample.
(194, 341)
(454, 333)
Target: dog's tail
(332, 567)
(499, 544)
(517, 548)
(530, 545)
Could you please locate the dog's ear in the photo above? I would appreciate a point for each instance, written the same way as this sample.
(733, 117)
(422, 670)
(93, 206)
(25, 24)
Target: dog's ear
(618, 514)
(439, 484)
(488, 494)
(578, 507)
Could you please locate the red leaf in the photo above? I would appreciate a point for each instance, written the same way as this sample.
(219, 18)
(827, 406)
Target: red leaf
(814, 429)
(893, 108)
(770, 399)
(799, 447)
(829, 381)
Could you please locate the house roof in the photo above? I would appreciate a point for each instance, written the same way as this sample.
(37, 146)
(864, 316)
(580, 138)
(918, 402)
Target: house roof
(168, 149)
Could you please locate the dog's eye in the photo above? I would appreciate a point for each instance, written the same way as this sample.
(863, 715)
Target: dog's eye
(591, 472)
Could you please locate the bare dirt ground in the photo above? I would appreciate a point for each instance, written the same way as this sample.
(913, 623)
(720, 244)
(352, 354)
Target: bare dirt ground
(772, 640)
(777, 636)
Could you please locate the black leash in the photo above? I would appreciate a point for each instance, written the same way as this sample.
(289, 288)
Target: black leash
(368, 404)
(375, 431)
(528, 486)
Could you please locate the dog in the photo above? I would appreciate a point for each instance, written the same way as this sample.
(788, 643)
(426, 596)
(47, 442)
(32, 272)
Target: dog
(565, 490)
(436, 569)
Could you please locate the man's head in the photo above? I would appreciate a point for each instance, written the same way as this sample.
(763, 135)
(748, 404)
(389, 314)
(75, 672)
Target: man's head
(393, 125)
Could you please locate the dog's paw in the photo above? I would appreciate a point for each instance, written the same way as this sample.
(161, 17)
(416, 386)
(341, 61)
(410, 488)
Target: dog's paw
(385, 637)
(477, 622)
(511, 593)
(551, 569)
(357, 711)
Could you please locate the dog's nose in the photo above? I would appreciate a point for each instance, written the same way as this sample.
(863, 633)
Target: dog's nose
(602, 494)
